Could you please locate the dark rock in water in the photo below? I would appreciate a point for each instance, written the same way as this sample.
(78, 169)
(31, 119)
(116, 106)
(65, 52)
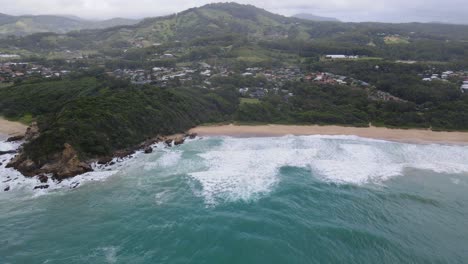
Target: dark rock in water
(104, 160)
(42, 178)
(148, 150)
(192, 135)
(15, 138)
(179, 140)
(6, 189)
(7, 152)
(41, 187)
(168, 142)
(74, 185)
(111, 163)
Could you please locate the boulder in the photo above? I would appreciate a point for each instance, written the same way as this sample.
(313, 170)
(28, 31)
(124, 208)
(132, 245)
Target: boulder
(6, 189)
(179, 140)
(40, 187)
(192, 135)
(168, 142)
(15, 138)
(42, 178)
(148, 150)
(7, 152)
(27, 167)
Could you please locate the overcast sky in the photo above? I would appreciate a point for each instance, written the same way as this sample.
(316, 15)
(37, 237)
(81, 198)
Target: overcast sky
(455, 11)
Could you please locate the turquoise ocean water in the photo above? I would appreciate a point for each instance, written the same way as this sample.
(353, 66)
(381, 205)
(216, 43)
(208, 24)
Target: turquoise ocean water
(313, 199)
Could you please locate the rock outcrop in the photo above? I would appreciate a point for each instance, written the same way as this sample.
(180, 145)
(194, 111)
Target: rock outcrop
(15, 138)
(66, 165)
(148, 150)
(32, 132)
(7, 152)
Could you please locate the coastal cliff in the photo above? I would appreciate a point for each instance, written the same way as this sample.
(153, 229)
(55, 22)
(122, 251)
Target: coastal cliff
(67, 163)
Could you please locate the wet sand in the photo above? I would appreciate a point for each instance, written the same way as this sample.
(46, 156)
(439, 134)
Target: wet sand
(400, 135)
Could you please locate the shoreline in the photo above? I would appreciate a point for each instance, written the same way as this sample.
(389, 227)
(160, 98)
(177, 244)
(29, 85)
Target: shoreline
(418, 136)
(10, 128)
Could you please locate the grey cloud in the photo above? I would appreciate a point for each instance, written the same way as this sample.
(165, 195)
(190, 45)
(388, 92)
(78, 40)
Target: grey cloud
(356, 10)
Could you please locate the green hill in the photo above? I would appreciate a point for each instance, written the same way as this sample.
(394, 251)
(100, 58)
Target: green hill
(26, 25)
(233, 23)
(315, 18)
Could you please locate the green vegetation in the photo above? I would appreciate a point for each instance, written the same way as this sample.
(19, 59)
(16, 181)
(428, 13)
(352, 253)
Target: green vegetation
(99, 116)
(28, 24)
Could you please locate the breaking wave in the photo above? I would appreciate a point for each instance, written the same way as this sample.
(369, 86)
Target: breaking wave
(247, 168)
(231, 169)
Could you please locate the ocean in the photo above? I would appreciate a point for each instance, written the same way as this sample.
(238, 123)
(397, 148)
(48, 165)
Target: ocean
(293, 199)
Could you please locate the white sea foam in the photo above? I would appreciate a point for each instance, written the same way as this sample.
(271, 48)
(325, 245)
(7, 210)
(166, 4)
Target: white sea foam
(110, 254)
(244, 168)
(168, 158)
(229, 169)
(14, 181)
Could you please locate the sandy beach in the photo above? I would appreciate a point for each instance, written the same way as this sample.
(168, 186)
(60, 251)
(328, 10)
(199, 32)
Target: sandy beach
(400, 135)
(9, 128)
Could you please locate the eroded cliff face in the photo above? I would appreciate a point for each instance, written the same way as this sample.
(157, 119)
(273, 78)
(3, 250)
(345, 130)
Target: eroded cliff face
(65, 165)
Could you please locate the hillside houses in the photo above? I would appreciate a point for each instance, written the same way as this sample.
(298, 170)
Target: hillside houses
(464, 87)
(11, 71)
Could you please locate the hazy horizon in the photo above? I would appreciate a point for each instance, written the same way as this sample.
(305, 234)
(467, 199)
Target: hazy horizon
(396, 11)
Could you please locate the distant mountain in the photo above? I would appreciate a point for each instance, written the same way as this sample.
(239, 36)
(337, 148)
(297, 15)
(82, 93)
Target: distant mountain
(315, 18)
(230, 25)
(29, 24)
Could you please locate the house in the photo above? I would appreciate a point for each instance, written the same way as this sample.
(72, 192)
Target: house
(243, 91)
(258, 94)
(464, 88)
(204, 65)
(340, 57)
(167, 56)
(206, 73)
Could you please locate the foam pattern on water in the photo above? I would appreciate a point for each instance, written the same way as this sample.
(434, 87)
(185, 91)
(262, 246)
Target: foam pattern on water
(246, 168)
(12, 181)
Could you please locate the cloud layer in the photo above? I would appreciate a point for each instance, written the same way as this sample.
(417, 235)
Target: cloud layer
(455, 11)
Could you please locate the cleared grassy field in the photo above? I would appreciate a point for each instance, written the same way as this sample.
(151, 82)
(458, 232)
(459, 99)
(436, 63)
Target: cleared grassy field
(249, 101)
(391, 40)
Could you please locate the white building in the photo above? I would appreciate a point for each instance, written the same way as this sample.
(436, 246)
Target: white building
(340, 57)
(464, 88)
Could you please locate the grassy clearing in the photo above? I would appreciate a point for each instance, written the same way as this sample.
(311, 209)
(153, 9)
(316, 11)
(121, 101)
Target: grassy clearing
(249, 101)
(4, 85)
(393, 40)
